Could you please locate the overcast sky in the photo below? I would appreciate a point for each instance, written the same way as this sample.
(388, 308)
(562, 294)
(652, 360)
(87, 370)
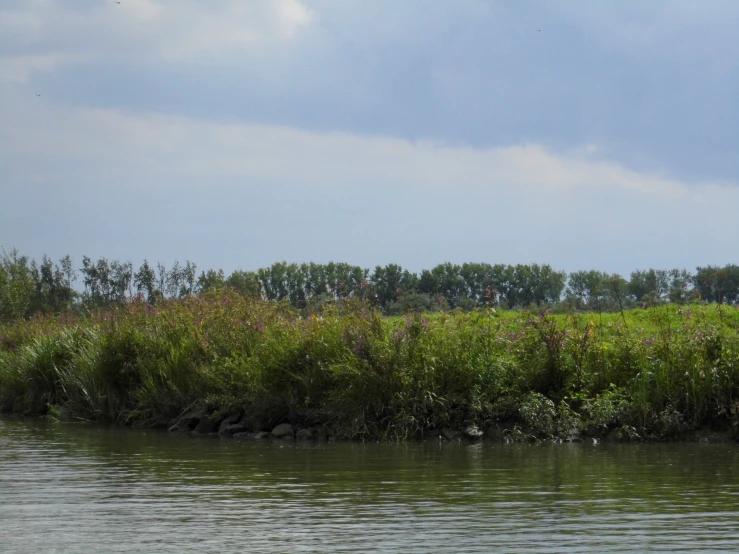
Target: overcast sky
(237, 133)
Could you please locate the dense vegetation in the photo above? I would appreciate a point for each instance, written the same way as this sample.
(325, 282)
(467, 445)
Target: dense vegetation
(650, 373)
(28, 287)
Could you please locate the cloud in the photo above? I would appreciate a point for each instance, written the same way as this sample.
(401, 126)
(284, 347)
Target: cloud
(39, 35)
(173, 146)
(110, 182)
(18, 69)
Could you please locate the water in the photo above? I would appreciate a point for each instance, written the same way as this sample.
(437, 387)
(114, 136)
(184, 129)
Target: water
(76, 488)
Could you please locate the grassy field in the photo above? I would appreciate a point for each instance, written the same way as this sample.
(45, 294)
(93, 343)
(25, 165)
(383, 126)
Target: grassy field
(651, 374)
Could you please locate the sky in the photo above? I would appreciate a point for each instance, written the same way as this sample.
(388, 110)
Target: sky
(238, 133)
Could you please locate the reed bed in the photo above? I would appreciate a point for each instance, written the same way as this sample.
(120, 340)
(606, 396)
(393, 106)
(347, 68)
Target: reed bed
(655, 373)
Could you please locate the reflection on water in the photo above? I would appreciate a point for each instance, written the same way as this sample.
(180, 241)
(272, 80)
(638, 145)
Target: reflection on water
(75, 488)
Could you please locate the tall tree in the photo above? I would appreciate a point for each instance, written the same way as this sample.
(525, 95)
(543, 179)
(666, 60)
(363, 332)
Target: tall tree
(16, 285)
(145, 281)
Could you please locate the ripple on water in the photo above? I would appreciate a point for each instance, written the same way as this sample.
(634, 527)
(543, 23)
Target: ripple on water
(72, 488)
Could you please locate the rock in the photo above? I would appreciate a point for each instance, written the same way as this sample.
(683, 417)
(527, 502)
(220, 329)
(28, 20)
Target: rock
(255, 423)
(305, 435)
(624, 434)
(449, 434)
(206, 425)
(190, 420)
(245, 435)
(716, 438)
(229, 416)
(495, 433)
(595, 431)
(472, 432)
(228, 429)
(324, 433)
(283, 431)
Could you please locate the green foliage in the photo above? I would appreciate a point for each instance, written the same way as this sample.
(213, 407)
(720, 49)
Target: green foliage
(718, 284)
(16, 285)
(644, 373)
(27, 288)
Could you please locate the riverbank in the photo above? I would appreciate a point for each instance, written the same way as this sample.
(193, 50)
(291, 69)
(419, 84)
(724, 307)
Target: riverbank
(198, 364)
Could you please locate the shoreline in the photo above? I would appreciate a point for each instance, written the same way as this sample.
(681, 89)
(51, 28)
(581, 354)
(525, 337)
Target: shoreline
(286, 433)
(193, 365)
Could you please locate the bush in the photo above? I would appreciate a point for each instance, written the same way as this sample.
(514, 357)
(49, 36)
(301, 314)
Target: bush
(659, 372)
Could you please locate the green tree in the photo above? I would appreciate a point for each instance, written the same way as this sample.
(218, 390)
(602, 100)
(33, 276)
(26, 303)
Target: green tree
(596, 290)
(211, 280)
(145, 281)
(718, 284)
(392, 282)
(246, 282)
(16, 285)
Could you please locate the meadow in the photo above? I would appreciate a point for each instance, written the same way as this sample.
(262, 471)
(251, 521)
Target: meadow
(659, 373)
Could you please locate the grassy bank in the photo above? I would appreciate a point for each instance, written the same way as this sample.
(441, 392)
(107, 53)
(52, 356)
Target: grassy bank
(648, 374)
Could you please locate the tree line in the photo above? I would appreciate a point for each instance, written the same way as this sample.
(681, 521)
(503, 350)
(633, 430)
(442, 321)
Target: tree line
(28, 287)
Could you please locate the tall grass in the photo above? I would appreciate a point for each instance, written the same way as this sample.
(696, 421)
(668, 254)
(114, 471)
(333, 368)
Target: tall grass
(649, 373)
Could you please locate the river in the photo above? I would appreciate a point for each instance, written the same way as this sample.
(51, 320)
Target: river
(82, 488)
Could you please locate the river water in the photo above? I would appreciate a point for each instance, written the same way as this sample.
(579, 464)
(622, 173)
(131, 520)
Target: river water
(78, 488)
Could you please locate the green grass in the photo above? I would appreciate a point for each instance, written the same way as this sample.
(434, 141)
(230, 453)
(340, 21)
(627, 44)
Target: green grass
(654, 373)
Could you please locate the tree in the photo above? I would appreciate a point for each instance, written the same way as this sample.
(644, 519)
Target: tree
(596, 290)
(392, 282)
(16, 285)
(718, 284)
(121, 274)
(53, 285)
(161, 280)
(654, 283)
(106, 282)
(145, 281)
(448, 282)
(189, 279)
(246, 282)
(506, 283)
(680, 281)
(174, 280)
(211, 280)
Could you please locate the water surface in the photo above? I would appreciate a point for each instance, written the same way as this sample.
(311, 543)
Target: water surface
(77, 488)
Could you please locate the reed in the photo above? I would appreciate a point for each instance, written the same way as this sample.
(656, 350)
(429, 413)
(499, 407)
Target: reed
(654, 373)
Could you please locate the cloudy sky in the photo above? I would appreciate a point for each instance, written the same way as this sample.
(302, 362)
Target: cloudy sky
(237, 133)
